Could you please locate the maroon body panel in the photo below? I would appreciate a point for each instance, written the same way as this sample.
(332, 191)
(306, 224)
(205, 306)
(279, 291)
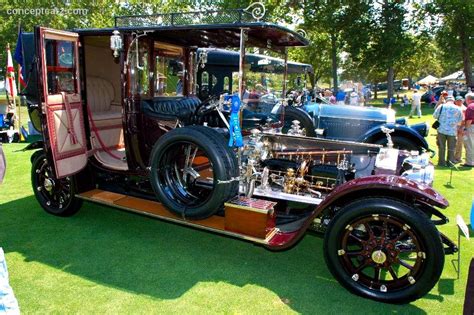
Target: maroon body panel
(389, 185)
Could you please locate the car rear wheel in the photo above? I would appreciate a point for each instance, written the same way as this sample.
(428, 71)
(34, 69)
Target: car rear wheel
(56, 196)
(385, 250)
(193, 172)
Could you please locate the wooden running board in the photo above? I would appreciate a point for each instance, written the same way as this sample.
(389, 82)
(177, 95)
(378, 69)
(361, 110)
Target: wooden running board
(157, 210)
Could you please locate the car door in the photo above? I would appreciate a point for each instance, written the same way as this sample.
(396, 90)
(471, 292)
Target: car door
(62, 101)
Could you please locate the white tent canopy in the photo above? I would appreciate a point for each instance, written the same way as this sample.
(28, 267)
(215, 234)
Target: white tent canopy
(428, 80)
(458, 75)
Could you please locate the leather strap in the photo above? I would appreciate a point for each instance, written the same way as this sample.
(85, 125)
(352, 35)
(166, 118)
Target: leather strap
(96, 131)
(70, 128)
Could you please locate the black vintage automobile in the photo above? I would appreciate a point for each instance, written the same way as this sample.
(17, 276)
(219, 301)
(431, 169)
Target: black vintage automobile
(317, 117)
(122, 126)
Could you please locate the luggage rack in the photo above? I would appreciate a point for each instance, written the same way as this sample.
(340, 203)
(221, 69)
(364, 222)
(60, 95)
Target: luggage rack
(253, 13)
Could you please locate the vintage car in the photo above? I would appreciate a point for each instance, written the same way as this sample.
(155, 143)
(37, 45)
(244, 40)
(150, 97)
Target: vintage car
(122, 127)
(342, 122)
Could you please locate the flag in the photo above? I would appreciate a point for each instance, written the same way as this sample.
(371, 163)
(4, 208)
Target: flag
(10, 84)
(18, 56)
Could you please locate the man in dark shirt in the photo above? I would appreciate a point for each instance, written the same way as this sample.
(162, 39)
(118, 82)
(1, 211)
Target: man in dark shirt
(469, 130)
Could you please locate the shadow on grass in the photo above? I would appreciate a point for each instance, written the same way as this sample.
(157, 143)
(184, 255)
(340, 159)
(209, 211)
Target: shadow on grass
(163, 260)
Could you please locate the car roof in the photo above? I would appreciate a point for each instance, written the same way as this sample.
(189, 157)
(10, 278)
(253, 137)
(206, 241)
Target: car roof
(220, 29)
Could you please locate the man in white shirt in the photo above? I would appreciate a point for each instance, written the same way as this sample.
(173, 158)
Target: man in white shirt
(354, 98)
(416, 104)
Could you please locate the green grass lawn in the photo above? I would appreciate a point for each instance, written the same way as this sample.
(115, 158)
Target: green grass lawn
(105, 260)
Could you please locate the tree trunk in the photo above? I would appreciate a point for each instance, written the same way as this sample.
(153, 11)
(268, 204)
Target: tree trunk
(334, 61)
(390, 76)
(376, 89)
(466, 59)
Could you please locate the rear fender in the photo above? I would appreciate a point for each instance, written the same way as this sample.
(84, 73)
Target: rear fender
(376, 133)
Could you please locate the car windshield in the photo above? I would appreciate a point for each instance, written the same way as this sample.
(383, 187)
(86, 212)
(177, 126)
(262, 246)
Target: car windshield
(263, 85)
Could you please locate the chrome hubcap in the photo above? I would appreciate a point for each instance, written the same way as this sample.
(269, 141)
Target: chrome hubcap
(379, 257)
(48, 184)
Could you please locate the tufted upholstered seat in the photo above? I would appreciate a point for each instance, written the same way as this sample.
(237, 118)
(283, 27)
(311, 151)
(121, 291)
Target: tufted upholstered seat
(169, 108)
(100, 98)
(107, 117)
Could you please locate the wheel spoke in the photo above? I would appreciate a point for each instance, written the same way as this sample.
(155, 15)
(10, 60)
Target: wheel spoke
(377, 273)
(399, 236)
(354, 253)
(369, 230)
(392, 273)
(405, 264)
(362, 266)
(357, 238)
(384, 230)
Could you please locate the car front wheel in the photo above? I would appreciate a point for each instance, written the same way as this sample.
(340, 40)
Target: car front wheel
(385, 250)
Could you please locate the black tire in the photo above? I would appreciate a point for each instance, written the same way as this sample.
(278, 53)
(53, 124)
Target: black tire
(56, 196)
(417, 238)
(400, 143)
(231, 155)
(185, 194)
(293, 113)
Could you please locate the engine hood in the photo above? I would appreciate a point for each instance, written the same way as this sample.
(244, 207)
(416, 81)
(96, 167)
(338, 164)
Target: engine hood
(385, 115)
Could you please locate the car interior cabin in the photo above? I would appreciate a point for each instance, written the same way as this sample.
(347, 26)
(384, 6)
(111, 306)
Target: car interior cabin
(157, 79)
(103, 97)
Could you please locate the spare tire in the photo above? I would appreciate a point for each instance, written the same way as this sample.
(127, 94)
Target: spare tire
(306, 123)
(193, 172)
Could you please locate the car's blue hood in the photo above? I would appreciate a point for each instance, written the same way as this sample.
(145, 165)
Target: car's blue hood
(351, 112)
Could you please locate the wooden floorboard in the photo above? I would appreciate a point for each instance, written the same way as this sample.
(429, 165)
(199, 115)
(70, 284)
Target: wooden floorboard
(149, 207)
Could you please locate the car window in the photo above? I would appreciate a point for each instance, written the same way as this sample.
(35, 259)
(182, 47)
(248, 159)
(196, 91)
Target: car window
(60, 66)
(139, 74)
(169, 70)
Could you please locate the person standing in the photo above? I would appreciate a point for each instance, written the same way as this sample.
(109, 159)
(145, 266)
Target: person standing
(449, 116)
(354, 98)
(416, 104)
(469, 130)
(405, 101)
(459, 141)
(340, 97)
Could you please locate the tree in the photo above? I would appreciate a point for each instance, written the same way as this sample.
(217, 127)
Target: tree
(315, 55)
(455, 30)
(325, 17)
(380, 39)
(422, 59)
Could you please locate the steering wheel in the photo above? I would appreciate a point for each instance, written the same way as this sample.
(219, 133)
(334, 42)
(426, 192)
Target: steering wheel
(207, 106)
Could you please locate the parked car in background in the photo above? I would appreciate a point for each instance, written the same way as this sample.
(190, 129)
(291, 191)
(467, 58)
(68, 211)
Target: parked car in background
(365, 124)
(427, 97)
(317, 117)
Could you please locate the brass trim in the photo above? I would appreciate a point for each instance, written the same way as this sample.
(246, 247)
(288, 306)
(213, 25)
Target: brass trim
(262, 211)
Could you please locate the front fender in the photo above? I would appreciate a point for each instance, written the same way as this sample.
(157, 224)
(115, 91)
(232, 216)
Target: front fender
(376, 133)
(388, 186)
(384, 185)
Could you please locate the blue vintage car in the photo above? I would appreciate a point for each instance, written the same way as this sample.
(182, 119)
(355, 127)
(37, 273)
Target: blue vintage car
(364, 124)
(318, 118)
